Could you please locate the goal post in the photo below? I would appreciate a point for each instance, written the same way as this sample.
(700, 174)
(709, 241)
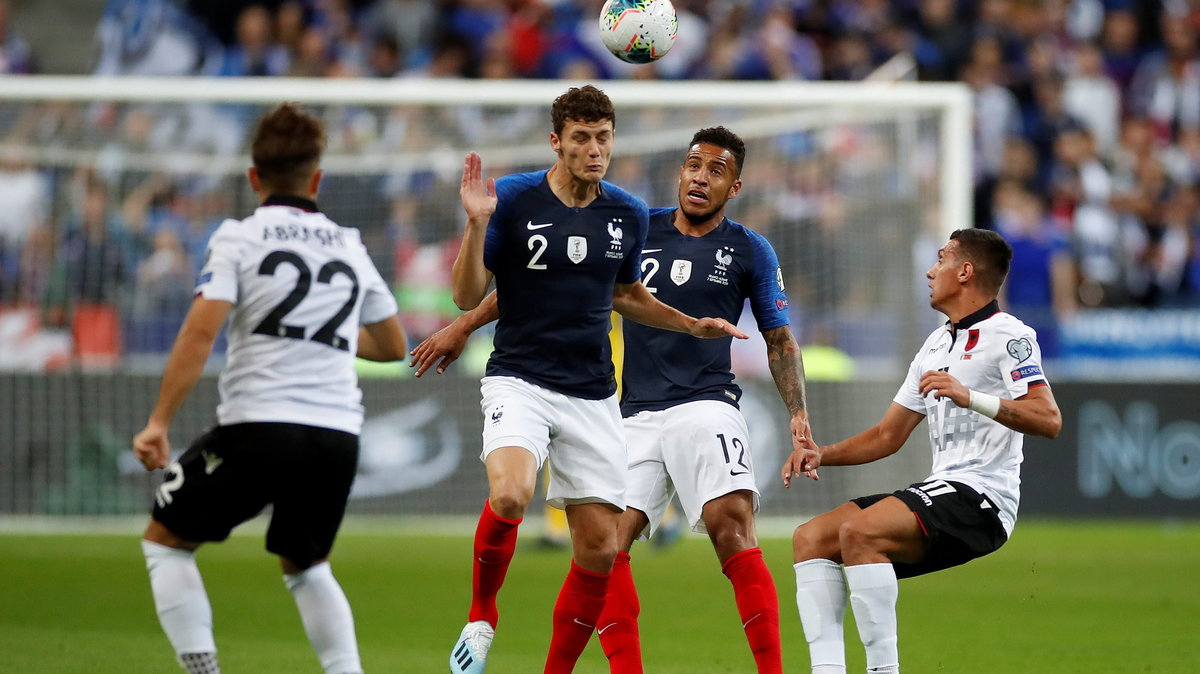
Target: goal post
(111, 186)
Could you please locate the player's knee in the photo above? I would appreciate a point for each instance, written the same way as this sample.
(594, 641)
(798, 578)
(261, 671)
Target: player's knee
(856, 534)
(295, 565)
(809, 542)
(731, 536)
(510, 501)
(594, 548)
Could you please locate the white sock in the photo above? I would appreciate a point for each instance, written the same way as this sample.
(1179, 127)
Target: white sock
(199, 663)
(179, 598)
(325, 612)
(821, 600)
(873, 593)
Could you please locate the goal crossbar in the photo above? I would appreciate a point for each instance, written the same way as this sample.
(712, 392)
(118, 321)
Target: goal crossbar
(951, 101)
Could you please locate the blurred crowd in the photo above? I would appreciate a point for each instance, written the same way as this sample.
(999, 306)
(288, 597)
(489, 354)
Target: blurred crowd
(1086, 135)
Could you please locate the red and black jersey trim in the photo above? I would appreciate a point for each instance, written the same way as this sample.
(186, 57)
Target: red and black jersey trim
(991, 309)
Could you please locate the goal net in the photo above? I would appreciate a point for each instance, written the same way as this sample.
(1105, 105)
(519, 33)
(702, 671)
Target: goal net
(110, 188)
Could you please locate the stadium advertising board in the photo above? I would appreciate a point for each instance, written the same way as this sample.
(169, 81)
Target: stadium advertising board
(1125, 449)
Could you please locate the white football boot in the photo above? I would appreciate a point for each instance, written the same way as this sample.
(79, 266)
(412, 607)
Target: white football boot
(471, 650)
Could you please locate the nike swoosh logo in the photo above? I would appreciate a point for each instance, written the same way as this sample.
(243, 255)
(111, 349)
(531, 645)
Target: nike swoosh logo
(755, 617)
(583, 624)
(744, 472)
(651, 250)
(601, 630)
(530, 225)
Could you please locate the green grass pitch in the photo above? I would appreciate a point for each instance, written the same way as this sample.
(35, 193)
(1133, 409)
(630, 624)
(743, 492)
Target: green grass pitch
(1069, 597)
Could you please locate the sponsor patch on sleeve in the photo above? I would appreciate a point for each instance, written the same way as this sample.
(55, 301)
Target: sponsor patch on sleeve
(1025, 372)
(204, 278)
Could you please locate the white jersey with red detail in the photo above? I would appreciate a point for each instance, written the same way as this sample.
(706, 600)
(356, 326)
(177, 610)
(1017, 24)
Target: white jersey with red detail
(300, 286)
(992, 352)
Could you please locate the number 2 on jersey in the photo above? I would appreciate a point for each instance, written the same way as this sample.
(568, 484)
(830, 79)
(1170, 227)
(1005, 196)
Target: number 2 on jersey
(273, 324)
(649, 269)
(538, 244)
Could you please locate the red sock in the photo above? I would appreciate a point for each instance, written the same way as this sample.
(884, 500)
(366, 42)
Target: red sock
(758, 605)
(495, 541)
(618, 625)
(575, 614)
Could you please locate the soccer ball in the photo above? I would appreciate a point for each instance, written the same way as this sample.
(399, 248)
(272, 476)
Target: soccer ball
(638, 31)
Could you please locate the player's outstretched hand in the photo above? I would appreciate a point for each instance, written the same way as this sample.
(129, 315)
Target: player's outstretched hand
(945, 386)
(713, 328)
(152, 447)
(478, 198)
(800, 430)
(803, 461)
(441, 348)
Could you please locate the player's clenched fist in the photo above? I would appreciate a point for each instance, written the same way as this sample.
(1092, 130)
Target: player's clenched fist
(152, 447)
(944, 385)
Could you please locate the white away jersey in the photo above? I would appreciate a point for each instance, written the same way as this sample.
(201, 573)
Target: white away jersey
(300, 286)
(991, 352)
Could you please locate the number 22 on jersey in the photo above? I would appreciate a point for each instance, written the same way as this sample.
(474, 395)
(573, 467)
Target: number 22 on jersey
(273, 325)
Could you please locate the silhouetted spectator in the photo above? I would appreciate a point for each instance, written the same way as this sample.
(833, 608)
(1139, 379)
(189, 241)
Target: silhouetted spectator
(16, 58)
(255, 54)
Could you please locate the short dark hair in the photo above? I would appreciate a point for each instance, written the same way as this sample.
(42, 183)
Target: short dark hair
(990, 254)
(287, 148)
(581, 104)
(723, 138)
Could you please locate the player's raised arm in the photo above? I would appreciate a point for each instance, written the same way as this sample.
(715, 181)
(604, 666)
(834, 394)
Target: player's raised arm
(184, 367)
(446, 345)
(634, 302)
(470, 277)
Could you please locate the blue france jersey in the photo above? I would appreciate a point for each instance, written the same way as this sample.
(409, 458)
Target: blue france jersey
(555, 267)
(712, 275)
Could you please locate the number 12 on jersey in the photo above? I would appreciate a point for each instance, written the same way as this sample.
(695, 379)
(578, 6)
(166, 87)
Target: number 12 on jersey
(740, 448)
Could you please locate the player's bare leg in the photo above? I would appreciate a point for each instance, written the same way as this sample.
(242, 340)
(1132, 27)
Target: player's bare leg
(821, 587)
(581, 600)
(729, 520)
(512, 478)
(179, 598)
(618, 624)
(886, 532)
(325, 613)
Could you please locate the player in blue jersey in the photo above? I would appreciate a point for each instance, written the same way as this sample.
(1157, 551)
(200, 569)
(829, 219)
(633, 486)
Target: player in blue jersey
(563, 247)
(683, 427)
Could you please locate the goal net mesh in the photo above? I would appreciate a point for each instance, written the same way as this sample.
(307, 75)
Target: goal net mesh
(108, 204)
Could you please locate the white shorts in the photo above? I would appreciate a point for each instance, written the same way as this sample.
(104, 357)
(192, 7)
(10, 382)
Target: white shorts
(700, 449)
(583, 439)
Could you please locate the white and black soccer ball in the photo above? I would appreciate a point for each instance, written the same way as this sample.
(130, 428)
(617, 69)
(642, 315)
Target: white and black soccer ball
(638, 31)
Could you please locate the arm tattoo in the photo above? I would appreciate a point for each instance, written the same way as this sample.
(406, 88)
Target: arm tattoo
(787, 367)
(1010, 416)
